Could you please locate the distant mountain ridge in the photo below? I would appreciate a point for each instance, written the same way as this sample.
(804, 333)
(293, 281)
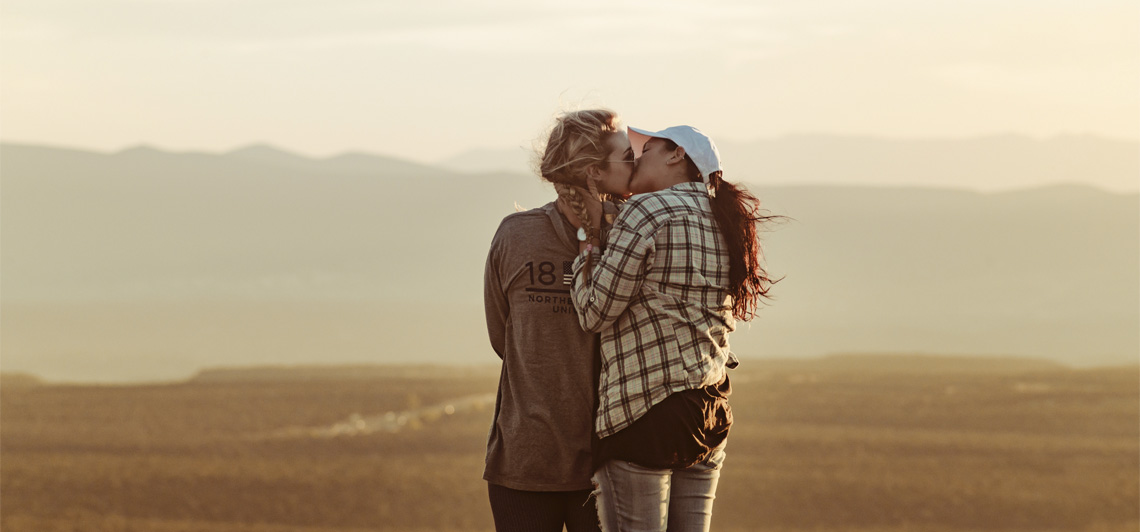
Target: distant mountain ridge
(256, 256)
(805, 159)
(997, 162)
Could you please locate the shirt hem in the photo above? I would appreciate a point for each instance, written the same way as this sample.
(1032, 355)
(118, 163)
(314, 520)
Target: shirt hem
(525, 486)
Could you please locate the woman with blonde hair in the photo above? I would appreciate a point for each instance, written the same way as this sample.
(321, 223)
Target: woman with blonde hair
(682, 263)
(539, 462)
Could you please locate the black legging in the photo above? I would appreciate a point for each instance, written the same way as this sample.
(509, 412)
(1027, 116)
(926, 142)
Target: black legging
(542, 511)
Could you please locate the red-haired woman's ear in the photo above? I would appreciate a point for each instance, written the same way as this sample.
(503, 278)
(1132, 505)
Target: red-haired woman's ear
(678, 155)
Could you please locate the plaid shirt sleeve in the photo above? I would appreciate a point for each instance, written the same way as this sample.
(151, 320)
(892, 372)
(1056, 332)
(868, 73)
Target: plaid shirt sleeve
(616, 275)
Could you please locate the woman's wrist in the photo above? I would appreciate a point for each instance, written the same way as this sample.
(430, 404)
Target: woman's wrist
(590, 244)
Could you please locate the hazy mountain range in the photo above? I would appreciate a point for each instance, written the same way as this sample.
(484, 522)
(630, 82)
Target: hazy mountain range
(146, 264)
(989, 163)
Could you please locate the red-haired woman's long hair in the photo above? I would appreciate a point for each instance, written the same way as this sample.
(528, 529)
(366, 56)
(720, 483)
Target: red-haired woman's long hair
(737, 214)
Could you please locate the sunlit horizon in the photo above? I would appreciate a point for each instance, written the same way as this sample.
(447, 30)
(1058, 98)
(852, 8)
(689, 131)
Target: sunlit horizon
(526, 144)
(426, 83)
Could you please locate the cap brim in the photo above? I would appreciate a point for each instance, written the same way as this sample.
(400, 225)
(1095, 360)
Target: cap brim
(637, 139)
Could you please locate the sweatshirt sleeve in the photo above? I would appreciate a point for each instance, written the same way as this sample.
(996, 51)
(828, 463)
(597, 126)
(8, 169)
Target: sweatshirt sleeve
(495, 302)
(616, 276)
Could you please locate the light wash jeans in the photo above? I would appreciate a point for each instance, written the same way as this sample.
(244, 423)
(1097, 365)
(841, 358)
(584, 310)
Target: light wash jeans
(632, 498)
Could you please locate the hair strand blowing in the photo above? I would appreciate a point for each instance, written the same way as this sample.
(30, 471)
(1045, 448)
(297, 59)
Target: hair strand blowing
(737, 213)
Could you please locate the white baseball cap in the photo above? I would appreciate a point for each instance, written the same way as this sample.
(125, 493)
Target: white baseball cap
(698, 146)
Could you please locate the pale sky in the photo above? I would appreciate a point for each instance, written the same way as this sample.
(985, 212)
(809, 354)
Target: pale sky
(427, 80)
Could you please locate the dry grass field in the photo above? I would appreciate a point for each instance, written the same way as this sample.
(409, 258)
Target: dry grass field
(842, 444)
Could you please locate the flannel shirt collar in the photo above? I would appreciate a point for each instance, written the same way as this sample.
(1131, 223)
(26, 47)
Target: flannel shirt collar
(692, 187)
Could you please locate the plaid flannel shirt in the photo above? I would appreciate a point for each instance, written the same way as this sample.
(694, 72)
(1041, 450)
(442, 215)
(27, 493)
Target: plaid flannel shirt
(659, 296)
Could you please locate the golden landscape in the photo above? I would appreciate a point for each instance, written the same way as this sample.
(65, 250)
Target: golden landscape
(208, 184)
(846, 443)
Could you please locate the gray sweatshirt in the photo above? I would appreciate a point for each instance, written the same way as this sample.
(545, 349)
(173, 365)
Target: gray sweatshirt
(540, 436)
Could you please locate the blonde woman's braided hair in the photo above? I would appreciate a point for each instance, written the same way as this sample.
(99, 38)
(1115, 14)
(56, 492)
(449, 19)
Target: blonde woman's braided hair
(577, 141)
(574, 199)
